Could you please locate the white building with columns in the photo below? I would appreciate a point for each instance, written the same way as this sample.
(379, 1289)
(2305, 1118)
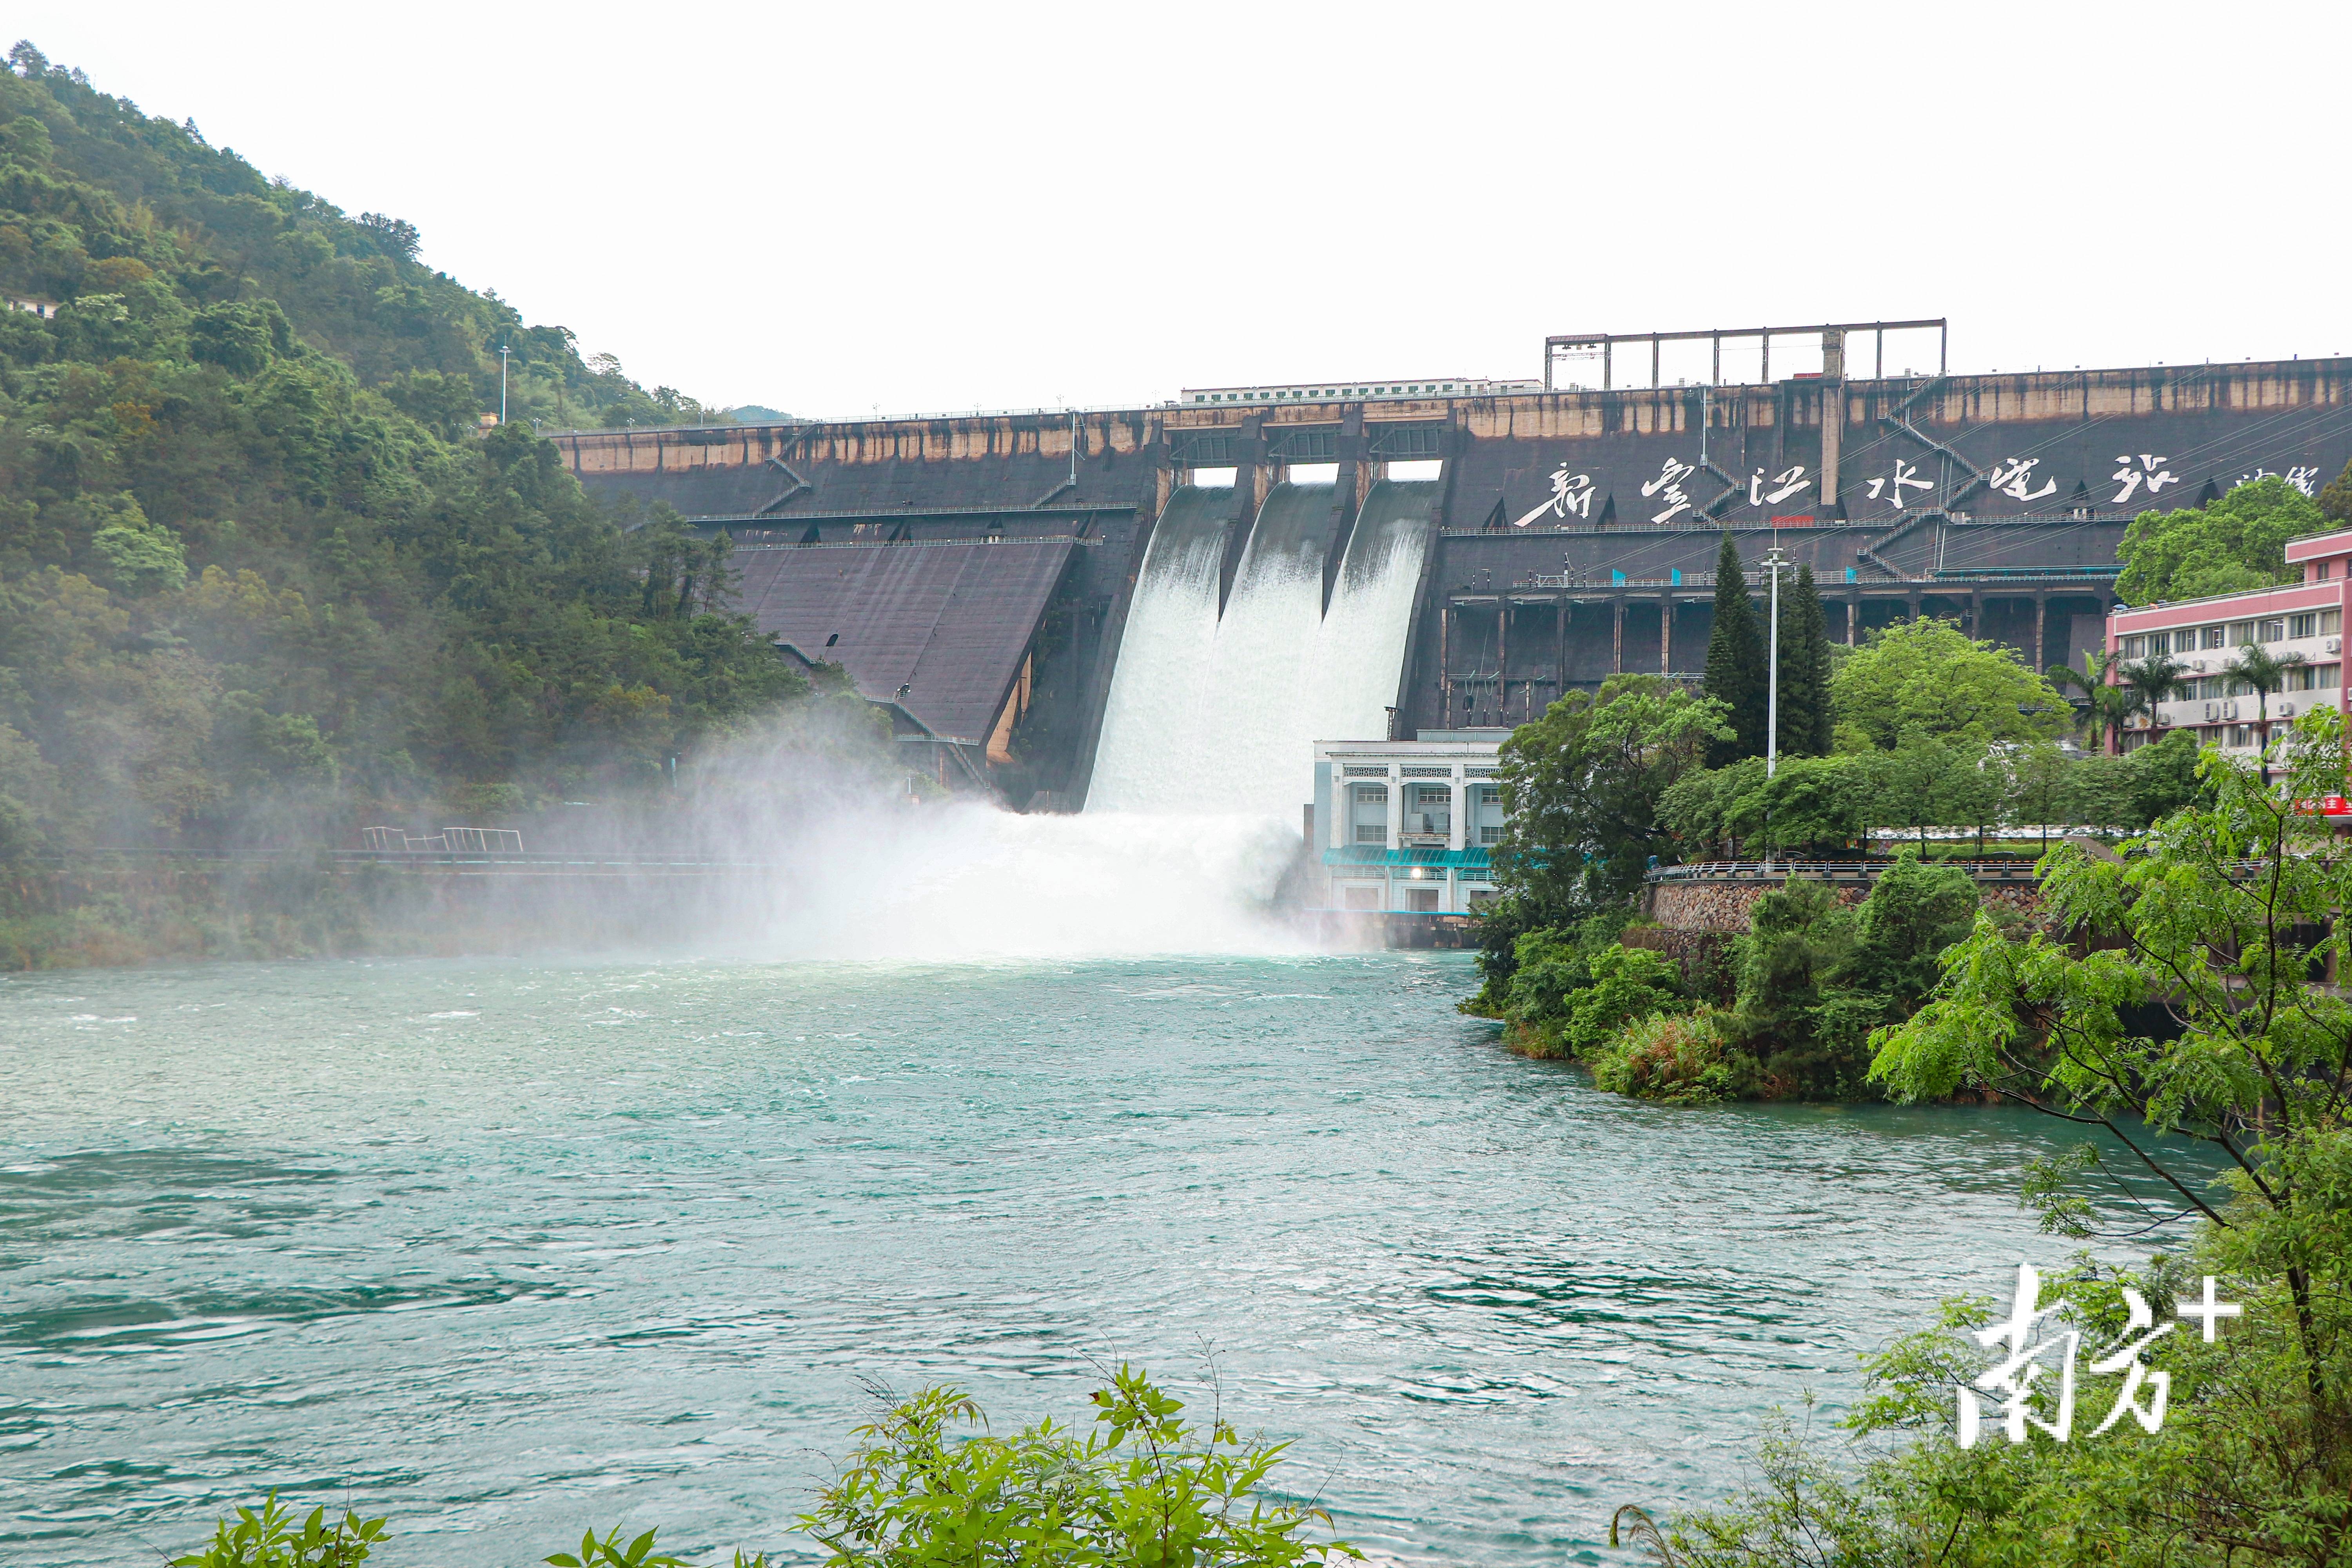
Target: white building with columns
(1406, 826)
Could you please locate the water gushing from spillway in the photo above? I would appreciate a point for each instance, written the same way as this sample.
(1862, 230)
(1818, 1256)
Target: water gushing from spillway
(1219, 714)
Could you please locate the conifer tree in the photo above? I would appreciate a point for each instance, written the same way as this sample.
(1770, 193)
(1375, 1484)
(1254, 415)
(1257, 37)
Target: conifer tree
(1735, 660)
(1804, 669)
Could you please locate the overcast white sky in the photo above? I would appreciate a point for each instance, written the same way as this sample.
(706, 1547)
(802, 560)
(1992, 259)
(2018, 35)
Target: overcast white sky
(828, 208)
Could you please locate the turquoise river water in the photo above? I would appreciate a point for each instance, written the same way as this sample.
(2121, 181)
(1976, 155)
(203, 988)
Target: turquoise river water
(507, 1248)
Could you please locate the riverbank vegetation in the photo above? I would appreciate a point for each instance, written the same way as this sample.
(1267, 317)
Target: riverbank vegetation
(1920, 733)
(2194, 1037)
(265, 573)
(928, 1486)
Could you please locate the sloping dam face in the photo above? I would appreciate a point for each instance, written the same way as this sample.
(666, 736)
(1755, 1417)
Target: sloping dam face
(1215, 712)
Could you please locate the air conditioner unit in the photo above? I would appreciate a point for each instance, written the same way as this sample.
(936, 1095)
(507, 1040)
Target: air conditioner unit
(2334, 644)
(2210, 714)
(2230, 708)
(2286, 709)
(2198, 665)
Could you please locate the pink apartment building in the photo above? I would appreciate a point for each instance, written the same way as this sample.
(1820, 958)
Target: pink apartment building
(2204, 635)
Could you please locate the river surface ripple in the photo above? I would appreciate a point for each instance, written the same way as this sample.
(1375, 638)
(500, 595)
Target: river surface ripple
(506, 1248)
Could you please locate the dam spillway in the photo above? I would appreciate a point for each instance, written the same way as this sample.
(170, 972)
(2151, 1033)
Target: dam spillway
(996, 580)
(1217, 696)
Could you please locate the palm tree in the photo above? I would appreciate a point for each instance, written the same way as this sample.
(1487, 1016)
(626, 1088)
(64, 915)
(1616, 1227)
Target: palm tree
(2150, 680)
(2266, 673)
(2109, 704)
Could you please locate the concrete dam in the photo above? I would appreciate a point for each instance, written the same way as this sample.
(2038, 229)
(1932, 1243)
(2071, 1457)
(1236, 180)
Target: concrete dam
(1160, 608)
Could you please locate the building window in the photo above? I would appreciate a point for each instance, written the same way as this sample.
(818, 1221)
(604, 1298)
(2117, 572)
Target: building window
(2318, 572)
(1361, 897)
(2134, 647)
(2241, 633)
(1490, 834)
(1423, 901)
(1371, 794)
(2159, 642)
(2271, 631)
(2330, 676)
(2303, 626)
(2216, 636)
(2331, 622)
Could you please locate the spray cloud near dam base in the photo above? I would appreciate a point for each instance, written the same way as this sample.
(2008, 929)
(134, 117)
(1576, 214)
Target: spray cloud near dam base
(839, 864)
(1191, 823)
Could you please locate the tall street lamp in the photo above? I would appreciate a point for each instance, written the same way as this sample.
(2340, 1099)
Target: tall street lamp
(1775, 561)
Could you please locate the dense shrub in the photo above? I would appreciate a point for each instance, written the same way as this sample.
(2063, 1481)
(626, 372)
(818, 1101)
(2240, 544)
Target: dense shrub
(1564, 1003)
(1676, 1058)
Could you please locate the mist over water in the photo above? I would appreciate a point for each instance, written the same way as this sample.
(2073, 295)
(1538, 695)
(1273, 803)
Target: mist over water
(946, 882)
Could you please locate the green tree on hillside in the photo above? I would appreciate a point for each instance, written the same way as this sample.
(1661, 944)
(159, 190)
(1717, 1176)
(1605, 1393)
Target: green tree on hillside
(2236, 543)
(1735, 661)
(1927, 677)
(259, 566)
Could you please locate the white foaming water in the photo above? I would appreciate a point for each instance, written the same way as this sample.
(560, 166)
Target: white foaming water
(1164, 654)
(1208, 714)
(1360, 647)
(962, 882)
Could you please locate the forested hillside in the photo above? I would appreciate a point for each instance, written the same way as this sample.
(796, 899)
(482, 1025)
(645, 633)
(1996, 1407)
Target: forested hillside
(258, 558)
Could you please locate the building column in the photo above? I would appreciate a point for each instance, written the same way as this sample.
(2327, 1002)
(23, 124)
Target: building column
(1503, 660)
(1343, 814)
(1666, 635)
(1913, 600)
(1852, 619)
(1833, 421)
(1975, 612)
(1396, 810)
(1445, 664)
(1460, 817)
(1560, 647)
(1617, 638)
(2041, 631)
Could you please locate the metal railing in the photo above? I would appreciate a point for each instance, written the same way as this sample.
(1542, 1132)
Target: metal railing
(2004, 868)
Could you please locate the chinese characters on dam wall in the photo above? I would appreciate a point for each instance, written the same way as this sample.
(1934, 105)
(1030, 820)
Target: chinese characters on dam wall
(2111, 444)
(2144, 474)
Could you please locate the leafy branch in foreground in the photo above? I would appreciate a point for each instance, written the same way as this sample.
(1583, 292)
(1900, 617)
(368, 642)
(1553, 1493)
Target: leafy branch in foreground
(269, 1538)
(1145, 1488)
(1148, 1489)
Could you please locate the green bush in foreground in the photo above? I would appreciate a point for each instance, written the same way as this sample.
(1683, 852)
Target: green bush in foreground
(270, 1539)
(1145, 1488)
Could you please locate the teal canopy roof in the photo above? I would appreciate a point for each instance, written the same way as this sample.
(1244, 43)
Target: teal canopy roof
(1367, 855)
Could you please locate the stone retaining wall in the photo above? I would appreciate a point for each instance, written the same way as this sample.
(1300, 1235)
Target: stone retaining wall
(1722, 903)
